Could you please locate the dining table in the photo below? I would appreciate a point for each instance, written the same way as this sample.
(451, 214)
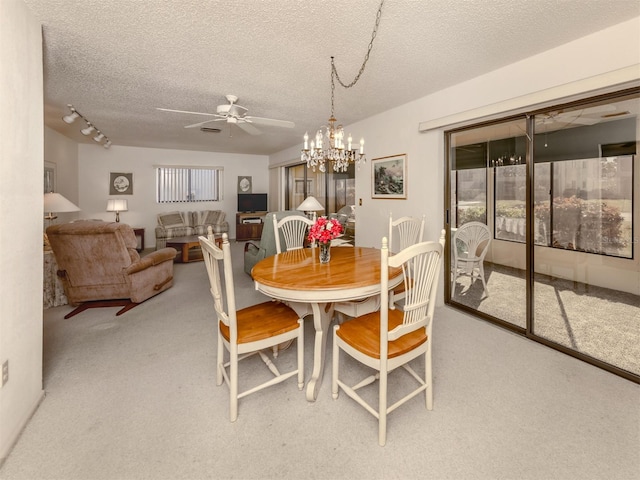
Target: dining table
(310, 287)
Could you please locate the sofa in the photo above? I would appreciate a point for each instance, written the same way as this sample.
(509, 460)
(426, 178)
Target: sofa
(184, 224)
(99, 265)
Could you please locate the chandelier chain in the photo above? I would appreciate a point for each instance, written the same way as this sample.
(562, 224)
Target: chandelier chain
(333, 151)
(334, 71)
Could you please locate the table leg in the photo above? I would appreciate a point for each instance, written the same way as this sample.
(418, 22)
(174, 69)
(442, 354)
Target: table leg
(185, 253)
(322, 314)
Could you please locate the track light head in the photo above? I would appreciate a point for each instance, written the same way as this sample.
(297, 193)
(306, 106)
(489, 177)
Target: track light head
(71, 117)
(107, 144)
(87, 131)
(99, 137)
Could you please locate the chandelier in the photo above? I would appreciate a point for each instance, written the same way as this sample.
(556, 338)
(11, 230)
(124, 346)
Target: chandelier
(327, 148)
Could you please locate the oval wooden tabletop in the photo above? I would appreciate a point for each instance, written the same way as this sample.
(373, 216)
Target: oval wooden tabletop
(349, 267)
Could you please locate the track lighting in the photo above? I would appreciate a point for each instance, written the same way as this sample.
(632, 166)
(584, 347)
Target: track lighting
(89, 129)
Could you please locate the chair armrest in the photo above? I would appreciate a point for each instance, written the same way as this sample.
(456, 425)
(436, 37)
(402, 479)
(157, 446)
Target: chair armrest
(154, 258)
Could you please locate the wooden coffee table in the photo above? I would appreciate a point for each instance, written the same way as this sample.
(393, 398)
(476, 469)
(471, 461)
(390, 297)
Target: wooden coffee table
(189, 248)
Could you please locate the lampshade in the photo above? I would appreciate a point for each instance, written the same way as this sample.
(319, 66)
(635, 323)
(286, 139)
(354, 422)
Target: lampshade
(116, 205)
(54, 202)
(310, 204)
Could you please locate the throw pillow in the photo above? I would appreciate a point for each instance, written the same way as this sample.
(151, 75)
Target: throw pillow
(211, 217)
(171, 219)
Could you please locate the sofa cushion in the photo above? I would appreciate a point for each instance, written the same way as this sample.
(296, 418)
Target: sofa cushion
(208, 217)
(171, 219)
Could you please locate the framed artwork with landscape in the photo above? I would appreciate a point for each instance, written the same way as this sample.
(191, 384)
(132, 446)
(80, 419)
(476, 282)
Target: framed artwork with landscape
(388, 177)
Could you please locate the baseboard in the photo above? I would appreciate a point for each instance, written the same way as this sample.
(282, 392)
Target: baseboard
(15, 436)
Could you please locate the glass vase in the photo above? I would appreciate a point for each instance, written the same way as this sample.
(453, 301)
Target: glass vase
(325, 252)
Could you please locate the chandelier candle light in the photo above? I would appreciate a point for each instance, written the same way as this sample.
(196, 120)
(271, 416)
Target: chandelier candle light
(323, 231)
(328, 145)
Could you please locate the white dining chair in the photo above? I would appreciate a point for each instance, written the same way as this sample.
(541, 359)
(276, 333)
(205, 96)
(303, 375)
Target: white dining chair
(294, 230)
(390, 338)
(407, 231)
(249, 331)
(470, 244)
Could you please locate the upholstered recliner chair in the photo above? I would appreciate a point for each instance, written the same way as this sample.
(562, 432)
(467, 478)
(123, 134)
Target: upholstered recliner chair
(100, 267)
(254, 253)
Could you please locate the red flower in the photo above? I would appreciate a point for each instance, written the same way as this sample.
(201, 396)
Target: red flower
(324, 230)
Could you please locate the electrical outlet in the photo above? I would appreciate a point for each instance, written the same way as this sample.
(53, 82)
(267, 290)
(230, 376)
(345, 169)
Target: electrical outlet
(5, 372)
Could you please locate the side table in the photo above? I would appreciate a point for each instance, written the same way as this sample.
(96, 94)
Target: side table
(139, 232)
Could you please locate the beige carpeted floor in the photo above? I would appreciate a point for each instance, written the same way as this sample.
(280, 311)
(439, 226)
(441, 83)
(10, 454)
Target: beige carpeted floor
(134, 397)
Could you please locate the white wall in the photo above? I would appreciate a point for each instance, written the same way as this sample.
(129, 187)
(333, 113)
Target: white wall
(95, 164)
(396, 131)
(21, 212)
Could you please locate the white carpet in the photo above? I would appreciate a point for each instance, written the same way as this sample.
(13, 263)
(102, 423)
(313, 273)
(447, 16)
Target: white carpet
(134, 397)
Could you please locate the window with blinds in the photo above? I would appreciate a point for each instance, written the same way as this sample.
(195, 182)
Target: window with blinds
(188, 184)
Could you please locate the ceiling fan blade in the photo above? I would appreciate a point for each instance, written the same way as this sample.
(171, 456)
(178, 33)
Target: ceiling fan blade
(270, 122)
(199, 124)
(575, 118)
(185, 111)
(250, 129)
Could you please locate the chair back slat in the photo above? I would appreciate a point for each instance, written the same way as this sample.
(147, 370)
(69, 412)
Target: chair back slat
(293, 230)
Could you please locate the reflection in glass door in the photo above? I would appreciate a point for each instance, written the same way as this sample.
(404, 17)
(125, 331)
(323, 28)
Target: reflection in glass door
(487, 186)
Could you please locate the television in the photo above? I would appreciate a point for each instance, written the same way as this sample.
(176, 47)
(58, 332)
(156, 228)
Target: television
(252, 202)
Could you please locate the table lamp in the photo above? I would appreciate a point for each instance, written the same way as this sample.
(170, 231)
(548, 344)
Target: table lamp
(56, 203)
(310, 206)
(117, 206)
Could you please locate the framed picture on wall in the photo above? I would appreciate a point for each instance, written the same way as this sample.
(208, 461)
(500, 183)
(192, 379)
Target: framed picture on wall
(120, 183)
(388, 177)
(244, 184)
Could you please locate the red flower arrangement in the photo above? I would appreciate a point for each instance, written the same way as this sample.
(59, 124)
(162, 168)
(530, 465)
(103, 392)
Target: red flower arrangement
(324, 230)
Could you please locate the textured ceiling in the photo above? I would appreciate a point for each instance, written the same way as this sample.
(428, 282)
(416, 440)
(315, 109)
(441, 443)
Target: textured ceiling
(116, 61)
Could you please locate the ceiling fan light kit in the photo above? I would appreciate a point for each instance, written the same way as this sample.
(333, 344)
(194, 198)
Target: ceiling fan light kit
(320, 154)
(89, 129)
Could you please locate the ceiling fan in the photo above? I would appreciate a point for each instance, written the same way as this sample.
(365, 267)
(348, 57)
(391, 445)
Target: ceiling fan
(586, 116)
(235, 114)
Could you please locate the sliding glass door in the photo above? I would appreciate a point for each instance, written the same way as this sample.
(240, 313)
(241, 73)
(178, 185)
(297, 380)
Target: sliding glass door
(559, 191)
(334, 191)
(487, 178)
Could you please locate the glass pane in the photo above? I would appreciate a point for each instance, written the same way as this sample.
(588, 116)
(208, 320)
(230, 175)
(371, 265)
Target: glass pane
(587, 287)
(487, 178)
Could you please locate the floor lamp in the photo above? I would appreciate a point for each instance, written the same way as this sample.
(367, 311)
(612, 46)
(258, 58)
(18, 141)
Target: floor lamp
(56, 203)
